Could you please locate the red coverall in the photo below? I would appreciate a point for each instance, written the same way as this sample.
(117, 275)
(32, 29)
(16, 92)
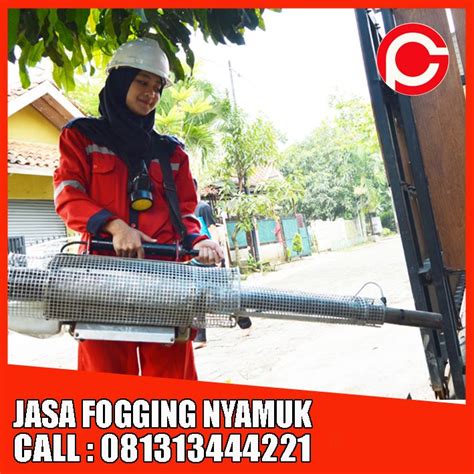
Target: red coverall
(90, 190)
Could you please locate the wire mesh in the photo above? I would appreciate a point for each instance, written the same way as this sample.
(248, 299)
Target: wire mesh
(89, 288)
(99, 289)
(267, 302)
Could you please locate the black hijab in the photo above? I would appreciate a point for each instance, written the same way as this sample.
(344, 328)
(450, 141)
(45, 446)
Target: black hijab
(129, 135)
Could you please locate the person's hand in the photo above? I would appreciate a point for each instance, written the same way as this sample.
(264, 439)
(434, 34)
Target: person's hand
(127, 241)
(209, 252)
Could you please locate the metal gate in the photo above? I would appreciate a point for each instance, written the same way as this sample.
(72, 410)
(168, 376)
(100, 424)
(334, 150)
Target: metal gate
(36, 221)
(292, 226)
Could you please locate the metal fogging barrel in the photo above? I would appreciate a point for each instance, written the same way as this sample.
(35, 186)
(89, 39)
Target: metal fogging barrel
(123, 291)
(99, 289)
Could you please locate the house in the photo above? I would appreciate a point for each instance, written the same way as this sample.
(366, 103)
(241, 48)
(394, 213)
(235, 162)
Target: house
(35, 119)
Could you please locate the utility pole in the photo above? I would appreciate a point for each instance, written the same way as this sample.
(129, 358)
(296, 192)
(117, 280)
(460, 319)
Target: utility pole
(253, 233)
(232, 82)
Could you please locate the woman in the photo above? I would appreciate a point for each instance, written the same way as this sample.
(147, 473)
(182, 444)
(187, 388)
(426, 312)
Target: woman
(101, 162)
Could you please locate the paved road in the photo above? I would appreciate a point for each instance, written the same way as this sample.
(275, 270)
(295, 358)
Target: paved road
(387, 361)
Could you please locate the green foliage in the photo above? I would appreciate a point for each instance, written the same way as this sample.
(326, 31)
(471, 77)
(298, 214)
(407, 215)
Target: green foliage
(243, 207)
(86, 92)
(340, 165)
(247, 146)
(388, 219)
(284, 192)
(297, 244)
(190, 110)
(252, 265)
(76, 37)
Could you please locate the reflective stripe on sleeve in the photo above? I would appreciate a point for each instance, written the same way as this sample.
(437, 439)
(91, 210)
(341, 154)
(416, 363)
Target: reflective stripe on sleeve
(63, 184)
(98, 149)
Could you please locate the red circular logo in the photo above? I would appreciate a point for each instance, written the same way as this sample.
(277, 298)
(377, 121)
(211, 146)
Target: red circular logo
(413, 59)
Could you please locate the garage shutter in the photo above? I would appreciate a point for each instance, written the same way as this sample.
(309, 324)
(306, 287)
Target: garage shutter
(35, 220)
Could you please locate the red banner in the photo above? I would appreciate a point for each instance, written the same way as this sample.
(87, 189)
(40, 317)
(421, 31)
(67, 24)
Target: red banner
(65, 421)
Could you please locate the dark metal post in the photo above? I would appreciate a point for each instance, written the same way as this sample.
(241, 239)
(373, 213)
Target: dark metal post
(389, 107)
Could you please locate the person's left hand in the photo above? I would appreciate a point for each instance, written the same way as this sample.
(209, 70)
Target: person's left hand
(209, 252)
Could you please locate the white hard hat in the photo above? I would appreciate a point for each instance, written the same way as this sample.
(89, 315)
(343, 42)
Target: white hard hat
(144, 54)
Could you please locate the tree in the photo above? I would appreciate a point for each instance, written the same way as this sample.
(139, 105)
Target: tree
(341, 165)
(285, 192)
(282, 195)
(243, 208)
(247, 146)
(190, 110)
(75, 37)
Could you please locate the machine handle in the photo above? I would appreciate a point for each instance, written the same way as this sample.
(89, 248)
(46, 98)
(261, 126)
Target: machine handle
(164, 250)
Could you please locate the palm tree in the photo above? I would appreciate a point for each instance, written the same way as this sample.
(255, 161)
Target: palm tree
(190, 111)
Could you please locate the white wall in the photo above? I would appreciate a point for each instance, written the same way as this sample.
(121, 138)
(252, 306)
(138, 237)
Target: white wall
(333, 235)
(268, 252)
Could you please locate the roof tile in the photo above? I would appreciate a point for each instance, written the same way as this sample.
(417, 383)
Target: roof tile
(39, 155)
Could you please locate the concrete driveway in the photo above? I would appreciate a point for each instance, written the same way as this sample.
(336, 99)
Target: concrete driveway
(386, 362)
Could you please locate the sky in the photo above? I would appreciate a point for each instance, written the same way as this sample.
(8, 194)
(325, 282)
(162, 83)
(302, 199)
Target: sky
(288, 72)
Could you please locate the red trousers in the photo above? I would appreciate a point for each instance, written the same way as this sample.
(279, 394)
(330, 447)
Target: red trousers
(156, 360)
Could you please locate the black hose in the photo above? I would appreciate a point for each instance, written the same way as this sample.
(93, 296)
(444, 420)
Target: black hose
(75, 242)
(164, 250)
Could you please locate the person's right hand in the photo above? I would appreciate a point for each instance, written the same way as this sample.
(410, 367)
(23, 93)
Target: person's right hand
(127, 241)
